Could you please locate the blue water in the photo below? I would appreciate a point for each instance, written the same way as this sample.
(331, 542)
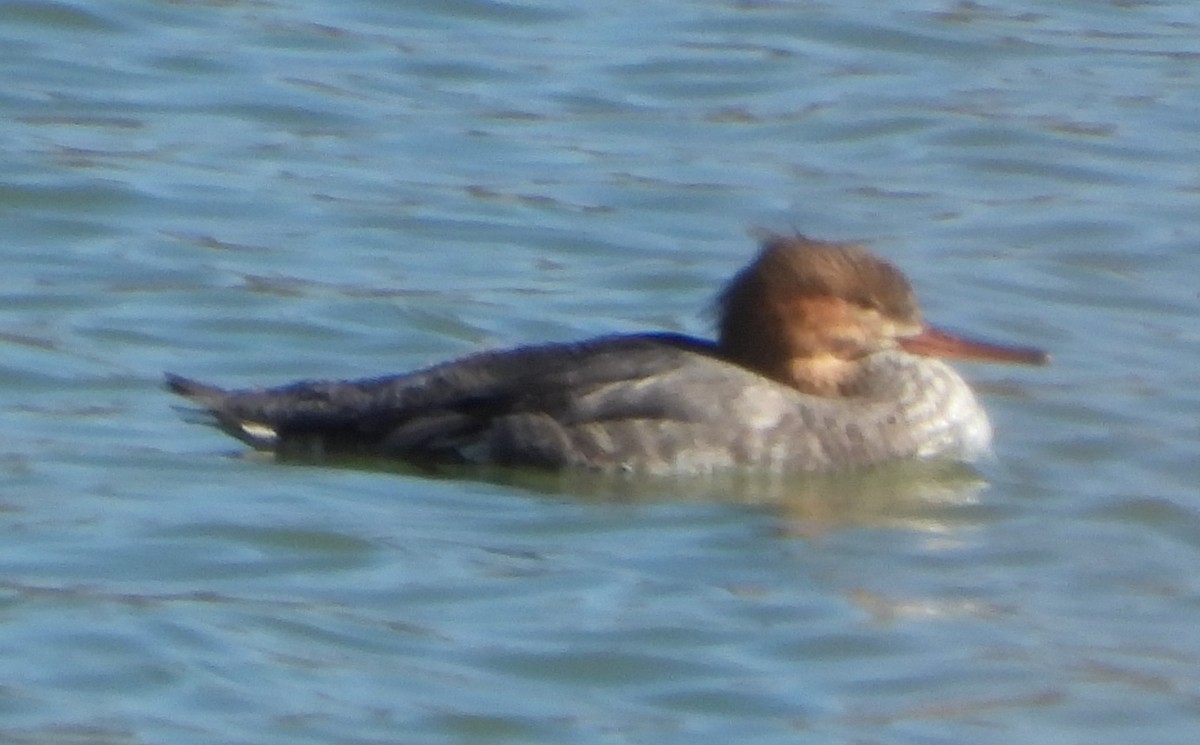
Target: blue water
(254, 192)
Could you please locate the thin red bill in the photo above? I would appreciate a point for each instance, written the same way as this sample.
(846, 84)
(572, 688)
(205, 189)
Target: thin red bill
(932, 342)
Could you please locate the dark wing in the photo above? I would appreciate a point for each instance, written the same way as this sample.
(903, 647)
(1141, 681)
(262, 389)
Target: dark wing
(439, 411)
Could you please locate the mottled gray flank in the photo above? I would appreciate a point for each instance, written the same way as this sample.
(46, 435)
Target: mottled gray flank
(650, 403)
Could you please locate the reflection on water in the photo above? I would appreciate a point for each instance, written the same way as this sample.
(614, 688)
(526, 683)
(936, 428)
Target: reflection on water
(911, 495)
(896, 495)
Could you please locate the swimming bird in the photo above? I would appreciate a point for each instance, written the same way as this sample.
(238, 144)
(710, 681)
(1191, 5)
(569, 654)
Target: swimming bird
(822, 361)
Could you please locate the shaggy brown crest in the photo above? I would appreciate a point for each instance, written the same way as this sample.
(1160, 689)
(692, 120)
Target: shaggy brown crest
(804, 308)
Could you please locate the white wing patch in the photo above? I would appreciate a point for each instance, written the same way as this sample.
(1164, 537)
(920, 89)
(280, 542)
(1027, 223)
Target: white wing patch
(259, 431)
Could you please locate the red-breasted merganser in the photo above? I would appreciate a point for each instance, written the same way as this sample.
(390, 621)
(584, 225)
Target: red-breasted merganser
(822, 362)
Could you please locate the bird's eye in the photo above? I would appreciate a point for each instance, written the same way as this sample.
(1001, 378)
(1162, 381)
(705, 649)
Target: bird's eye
(867, 303)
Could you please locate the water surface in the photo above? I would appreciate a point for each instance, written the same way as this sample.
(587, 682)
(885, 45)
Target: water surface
(252, 192)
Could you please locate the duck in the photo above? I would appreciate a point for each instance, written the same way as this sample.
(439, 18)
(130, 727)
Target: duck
(822, 362)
